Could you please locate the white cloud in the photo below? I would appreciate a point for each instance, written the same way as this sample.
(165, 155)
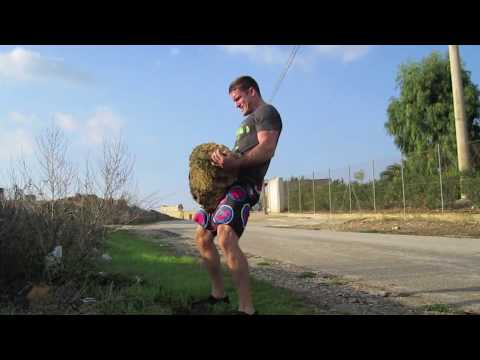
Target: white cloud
(24, 65)
(18, 134)
(266, 54)
(305, 57)
(102, 124)
(174, 51)
(65, 121)
(21, 118)
(14, 143)
(347, 53)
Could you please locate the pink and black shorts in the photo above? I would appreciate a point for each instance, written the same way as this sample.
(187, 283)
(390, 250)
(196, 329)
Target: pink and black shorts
(233, 209)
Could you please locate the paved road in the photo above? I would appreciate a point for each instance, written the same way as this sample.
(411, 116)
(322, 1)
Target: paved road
(435, 270)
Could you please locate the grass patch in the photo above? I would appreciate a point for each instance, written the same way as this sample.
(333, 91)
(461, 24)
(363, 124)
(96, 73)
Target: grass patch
(441, 308)
(336, 280)
(170, 283)
(306, 275)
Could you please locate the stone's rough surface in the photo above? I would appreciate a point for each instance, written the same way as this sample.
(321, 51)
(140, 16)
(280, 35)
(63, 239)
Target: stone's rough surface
(208, 183)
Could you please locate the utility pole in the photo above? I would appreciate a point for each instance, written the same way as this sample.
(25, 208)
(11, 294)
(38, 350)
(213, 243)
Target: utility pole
(463, 151)
(350, 189)
(313, 191)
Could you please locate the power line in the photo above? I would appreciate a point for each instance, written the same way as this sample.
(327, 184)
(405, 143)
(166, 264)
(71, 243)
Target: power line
(282, 75)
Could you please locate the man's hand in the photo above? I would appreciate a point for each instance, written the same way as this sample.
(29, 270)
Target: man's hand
(259, 154)
(226, 161)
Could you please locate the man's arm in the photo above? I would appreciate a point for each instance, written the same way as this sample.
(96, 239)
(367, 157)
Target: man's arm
(261, 153)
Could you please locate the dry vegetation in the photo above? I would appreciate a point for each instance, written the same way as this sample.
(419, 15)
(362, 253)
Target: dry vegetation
(52, 217)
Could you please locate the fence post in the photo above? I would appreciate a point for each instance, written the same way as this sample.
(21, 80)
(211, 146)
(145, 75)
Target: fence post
(403, 189)
(313, 184)
(288, 195)
(329, 193)
(350, 189)
(373, 176)
(299, 197)
(265, 211)
(440, 174)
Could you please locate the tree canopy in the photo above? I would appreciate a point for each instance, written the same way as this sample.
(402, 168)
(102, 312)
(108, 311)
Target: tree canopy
(423, 114)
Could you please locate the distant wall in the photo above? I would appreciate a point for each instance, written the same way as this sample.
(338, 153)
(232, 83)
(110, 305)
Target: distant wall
(176, 212)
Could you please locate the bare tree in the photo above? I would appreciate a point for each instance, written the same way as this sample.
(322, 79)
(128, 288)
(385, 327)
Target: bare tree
(115, 174)
(116, 167)
(71, 210)
(56, 172)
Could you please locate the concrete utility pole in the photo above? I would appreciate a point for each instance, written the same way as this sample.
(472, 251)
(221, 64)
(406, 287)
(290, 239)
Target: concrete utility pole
(463, 151)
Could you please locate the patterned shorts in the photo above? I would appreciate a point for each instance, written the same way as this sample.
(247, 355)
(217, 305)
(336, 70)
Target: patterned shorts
(233, 209)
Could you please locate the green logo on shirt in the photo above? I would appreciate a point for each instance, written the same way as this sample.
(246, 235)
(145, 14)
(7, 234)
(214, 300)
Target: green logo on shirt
(242, 130)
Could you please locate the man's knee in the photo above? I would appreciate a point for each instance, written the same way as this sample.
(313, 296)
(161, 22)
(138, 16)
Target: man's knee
(204, 238)
(227, 238)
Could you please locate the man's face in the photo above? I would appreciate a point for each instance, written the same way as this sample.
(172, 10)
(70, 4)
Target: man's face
(243, 100)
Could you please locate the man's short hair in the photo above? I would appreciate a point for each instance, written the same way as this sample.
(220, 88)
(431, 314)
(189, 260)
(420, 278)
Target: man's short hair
(244, 83)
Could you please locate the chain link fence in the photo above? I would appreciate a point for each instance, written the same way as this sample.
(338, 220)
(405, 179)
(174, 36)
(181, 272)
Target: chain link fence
(423, 181)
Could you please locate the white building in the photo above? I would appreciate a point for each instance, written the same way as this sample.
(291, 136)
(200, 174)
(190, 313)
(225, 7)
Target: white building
(275, 195)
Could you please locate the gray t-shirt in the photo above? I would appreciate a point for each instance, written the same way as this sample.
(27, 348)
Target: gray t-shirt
(265, 117)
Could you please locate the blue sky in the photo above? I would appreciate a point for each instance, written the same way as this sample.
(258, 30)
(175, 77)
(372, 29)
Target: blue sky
(165, 100)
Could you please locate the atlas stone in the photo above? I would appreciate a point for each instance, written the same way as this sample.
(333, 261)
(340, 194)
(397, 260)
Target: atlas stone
(208, 183)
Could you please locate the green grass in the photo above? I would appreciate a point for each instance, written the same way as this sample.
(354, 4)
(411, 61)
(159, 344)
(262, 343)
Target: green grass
(441, 308)
(171, 283)
(306, 275)
(336, 280)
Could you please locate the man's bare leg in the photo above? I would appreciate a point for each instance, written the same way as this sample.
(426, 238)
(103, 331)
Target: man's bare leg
(211, 259)
(238, 265)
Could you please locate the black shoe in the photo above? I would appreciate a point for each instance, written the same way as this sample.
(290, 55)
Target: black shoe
(211, 300)
(238, 312)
